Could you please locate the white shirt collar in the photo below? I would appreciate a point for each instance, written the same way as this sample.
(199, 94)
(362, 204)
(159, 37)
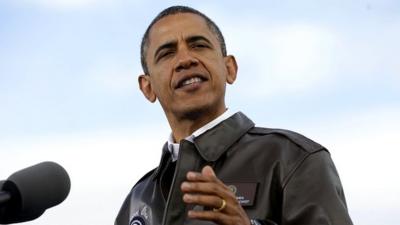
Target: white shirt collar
(174, 147)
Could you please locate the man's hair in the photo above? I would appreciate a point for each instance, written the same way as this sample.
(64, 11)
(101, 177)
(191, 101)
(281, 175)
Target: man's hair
(172, 11)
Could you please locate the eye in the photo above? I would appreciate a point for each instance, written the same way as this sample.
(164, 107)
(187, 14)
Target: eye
(199, 45)
(164, 54)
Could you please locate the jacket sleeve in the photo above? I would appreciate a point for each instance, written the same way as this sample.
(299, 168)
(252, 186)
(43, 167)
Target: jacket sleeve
(313, 193)
(123, 215)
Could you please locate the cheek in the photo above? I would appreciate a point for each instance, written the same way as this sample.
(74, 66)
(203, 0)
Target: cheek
(219, 72)
(214, 63)
(161, 88)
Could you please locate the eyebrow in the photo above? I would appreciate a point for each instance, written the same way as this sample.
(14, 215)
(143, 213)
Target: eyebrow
(195, 38)
(172, 44)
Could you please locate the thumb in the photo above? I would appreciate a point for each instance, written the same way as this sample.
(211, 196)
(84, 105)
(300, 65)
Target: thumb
(208, 171)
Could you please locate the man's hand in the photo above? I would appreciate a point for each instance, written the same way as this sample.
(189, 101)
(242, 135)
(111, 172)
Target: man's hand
(207, 190)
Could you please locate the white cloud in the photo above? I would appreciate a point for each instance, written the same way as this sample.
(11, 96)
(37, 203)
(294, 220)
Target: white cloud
(368, 54)
(111, 77)
(282, 58)
(364, 146)
(300, 56)
(293, 57)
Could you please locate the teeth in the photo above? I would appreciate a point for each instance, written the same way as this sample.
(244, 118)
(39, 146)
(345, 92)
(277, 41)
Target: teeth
(191, 81)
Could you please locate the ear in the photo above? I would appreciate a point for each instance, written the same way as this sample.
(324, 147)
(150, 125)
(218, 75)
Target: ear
(146, 88)
(232, 68)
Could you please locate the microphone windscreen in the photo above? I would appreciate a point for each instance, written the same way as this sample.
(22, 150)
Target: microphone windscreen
(35, 189)
(41, 186)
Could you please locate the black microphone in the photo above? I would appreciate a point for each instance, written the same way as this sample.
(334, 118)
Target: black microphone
(27, 193)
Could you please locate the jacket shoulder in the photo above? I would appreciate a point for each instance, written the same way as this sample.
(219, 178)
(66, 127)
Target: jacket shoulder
(146, 176)
(123, 214)
(300, 140)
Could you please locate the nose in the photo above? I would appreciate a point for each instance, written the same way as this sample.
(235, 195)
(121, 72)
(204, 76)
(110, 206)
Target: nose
(185, 60)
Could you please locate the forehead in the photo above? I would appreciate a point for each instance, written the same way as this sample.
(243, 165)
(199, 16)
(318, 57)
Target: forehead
(179, 26)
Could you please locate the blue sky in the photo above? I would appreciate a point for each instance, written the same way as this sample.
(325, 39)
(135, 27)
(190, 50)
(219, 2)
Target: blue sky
(327, 69)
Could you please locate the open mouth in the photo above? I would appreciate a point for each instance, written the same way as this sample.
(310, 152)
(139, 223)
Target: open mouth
(196, 79)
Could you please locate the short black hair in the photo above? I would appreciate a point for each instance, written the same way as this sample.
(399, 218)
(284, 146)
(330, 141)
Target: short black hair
(172, 11)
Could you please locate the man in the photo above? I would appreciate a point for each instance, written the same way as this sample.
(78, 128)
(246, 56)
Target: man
(217, 167)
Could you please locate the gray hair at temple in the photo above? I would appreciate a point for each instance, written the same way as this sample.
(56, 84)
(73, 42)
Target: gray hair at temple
(172, 11)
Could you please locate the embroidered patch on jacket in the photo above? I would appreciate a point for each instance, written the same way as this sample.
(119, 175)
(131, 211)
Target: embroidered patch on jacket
(137, 220)
(245, 192)
(140, 217)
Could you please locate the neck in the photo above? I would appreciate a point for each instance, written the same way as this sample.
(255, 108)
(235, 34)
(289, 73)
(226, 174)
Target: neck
(184, 126)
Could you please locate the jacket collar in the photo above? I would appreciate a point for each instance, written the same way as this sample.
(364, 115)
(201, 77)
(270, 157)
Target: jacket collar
(166, 159)
(214, 142)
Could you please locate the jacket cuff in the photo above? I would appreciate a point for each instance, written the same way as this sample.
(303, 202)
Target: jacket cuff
(262, 222)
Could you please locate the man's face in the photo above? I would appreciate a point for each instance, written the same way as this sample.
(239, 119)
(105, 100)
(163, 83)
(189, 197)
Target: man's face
(187, 71)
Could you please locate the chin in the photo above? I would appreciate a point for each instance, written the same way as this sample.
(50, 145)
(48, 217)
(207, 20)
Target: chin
(194, 112)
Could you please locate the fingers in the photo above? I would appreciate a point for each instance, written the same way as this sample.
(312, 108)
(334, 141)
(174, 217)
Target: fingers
(207, 183)
(207, 190)
(210, 201)
(207, 175)
(208, 171)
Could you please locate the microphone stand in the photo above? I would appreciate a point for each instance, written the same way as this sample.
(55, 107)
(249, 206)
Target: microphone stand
(4, 196)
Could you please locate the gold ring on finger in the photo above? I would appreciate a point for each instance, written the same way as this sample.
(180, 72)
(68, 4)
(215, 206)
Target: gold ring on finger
(222, 207)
